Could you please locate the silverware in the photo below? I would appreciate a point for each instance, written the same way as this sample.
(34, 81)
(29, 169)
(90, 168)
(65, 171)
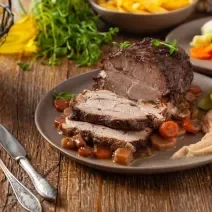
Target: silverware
(23, 195)
(16, 151)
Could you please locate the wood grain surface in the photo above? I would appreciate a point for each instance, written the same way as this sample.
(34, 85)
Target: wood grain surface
(82, 189)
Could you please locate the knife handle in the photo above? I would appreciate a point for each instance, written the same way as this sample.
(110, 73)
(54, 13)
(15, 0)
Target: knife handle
(43, 187)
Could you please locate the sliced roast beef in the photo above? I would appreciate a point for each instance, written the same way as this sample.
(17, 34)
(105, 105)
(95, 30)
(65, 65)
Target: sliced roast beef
(145, 71)
(104, 107)
(106, 136)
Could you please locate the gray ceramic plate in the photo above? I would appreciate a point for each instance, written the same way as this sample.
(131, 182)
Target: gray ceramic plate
(184, 34)
(161, 162)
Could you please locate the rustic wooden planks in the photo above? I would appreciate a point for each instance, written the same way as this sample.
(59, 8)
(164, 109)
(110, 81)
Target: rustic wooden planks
(81, 189)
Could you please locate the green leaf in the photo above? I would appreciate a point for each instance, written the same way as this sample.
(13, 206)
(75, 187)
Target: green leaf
(64, 95)
(174, 43)
(156, 43)
(171, 46)
(205, 102)
(24, 66)
(122, 45)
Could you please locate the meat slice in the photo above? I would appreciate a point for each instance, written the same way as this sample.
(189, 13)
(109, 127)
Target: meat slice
(106, 108)
(106, 136)
(145, 71)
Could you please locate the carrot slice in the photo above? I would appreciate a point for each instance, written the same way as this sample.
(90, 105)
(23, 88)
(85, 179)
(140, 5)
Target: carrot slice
(195, 89)
(208, 49)
(169, 129)
(191, 126)
(200, 53)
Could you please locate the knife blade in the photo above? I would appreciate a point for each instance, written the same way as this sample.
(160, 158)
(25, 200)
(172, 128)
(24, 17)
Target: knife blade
(11, 145)
(16, 151)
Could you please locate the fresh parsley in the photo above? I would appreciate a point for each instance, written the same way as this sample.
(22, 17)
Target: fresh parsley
(171, 46)
(63, 95)
(122, 45)
(68, 28)
(24, 66)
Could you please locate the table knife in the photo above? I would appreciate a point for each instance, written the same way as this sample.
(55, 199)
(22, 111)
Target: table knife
(16, 151)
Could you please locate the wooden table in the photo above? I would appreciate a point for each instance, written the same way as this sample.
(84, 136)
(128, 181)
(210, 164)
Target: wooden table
(82, 189)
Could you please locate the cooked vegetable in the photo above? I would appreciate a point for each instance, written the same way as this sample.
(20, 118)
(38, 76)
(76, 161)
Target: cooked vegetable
(205, 102)
(61, 104)
(143, 6)
(161, 143)
(200, 53)
(195, 89)
(64, 95)
(123, 156)
(192, 126)
(207, 28)
(85, 151)
(69, 29)
(59, 120)
(201, 41)
(79, 141)
(67, 111)
(171, 46)
(195, 112)
(190, 97)
(181, 132)
(102, 152)
(168, 129)
(68, 143)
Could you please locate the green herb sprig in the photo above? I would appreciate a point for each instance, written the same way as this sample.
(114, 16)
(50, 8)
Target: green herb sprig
(68, 28)
(122, 45)
(63, 95)
(24, 66)
(171, 46)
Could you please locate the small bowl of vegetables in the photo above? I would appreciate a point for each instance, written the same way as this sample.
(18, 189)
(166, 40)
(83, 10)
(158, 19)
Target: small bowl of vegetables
(143, 17)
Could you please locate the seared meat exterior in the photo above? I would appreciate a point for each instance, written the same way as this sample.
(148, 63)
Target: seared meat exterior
(104, 107)
(106, 136)
(145, 71)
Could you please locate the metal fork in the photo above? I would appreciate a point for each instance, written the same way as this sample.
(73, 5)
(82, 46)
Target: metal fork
(23, 195)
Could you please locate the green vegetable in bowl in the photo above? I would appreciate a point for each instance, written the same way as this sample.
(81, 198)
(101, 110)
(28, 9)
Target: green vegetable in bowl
(205, 102)
(69, 28)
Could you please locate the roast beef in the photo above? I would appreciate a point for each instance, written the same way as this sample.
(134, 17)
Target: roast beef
(145, 71)
(106, 136)
(104, 107)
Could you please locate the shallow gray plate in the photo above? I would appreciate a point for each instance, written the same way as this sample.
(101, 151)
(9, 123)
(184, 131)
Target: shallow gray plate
(184, 35)
(45, 115)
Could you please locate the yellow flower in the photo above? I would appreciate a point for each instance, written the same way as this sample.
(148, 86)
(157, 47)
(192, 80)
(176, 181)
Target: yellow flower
(21, 37)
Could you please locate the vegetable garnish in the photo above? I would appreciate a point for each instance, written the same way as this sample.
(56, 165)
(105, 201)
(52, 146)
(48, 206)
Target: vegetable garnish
(122, 45)
(63, 95)
(24, 66)
(171, 46)
(168, 129)
(191, 126)
(69, 28)
(205, 102)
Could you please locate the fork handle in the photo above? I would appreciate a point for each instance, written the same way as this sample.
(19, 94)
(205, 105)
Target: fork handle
(43, 187)
(23, 195)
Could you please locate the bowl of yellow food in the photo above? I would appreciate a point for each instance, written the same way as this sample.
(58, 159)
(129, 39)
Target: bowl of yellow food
(143, 16)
